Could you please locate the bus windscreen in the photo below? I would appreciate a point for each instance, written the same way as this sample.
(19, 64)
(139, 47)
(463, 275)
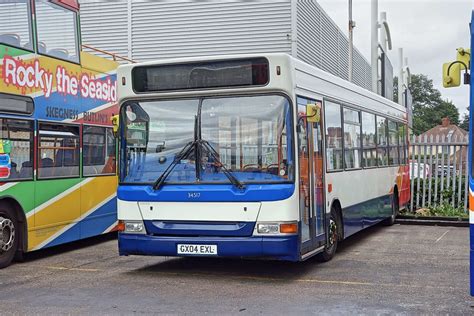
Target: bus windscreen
(201, 75)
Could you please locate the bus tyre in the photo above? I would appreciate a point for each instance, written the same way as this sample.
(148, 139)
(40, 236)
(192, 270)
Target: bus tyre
(8, 236)
(395, 207)
(333, 237)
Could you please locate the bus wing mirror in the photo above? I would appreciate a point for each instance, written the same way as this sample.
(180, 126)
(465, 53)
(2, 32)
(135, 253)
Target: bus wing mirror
(115, 124)
(313, 113)
(453, 78)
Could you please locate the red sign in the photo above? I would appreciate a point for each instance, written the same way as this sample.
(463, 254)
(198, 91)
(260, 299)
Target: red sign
(69, 4)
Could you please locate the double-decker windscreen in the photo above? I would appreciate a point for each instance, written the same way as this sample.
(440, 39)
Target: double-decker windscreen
(201, 75)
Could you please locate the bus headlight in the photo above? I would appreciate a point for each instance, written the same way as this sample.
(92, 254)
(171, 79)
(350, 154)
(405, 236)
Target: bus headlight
(268, 228)
(136, 227)
(277, 228)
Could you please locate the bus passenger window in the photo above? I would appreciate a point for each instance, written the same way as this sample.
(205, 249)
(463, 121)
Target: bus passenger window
(58, 151)
(382, 142)
(16, 154)
(333, 136)
(369, 158)
(98, 151)
(57, 31)
(15, 24)
(402, 143)
(352, 152)
(393, 155)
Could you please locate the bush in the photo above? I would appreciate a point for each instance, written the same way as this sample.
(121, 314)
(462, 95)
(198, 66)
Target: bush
(446, 193)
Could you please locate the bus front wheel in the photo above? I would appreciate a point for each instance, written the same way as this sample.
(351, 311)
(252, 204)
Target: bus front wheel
(8, 235)
(333, 237)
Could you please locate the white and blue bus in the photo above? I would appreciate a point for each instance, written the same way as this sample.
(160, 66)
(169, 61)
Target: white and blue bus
(259, 156)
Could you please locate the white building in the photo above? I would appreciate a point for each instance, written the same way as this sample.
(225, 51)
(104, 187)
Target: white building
(150, 30)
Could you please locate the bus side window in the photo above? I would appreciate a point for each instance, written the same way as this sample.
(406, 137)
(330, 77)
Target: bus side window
(58, 147)
(57, 31)
(333, 135)
(16, 154)
(98, 151)
(15, 24)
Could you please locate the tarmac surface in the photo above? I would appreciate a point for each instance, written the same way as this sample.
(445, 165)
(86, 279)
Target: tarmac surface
(383, 270)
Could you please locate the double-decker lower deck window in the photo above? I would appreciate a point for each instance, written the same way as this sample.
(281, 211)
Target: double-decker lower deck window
(58, 151)
(98, 151)
(16, 149)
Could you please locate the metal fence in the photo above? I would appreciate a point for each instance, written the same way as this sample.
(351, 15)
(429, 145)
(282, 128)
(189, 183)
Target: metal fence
(439, 171)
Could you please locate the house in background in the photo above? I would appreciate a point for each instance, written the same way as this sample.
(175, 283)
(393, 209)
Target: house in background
(452, 142)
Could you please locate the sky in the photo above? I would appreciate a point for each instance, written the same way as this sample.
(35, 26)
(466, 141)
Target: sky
(429, 31)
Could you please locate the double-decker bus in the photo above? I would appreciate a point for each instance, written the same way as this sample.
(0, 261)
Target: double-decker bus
(258, 156)
(57, 148)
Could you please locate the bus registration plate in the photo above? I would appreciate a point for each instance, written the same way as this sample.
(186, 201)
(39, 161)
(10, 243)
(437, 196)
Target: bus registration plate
(188, 249)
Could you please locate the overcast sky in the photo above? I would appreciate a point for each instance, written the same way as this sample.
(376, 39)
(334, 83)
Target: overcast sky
(428, 30)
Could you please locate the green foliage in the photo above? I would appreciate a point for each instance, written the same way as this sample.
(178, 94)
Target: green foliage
(447, 193)
(465, 121)
(446, 209)
(428, 105)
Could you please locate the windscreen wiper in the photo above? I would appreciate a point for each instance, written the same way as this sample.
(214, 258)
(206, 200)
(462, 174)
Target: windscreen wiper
(183, 154)
(208, 147)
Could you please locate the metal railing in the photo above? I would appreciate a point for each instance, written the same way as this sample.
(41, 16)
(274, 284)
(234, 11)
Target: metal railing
(439, 171)
(114, 56)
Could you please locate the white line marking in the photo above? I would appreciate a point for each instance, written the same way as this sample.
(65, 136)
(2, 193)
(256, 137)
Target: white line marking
(442, 236)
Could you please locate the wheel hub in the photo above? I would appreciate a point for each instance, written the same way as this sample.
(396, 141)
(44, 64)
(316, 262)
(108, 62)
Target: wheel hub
(332, 232)
(7, 234)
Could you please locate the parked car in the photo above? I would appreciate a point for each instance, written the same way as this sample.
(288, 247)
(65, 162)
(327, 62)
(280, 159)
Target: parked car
(444, 170)
(419, 169)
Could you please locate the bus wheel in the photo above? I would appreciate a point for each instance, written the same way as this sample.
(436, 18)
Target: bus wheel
(333, 237)
(8, 236)
(395, 207)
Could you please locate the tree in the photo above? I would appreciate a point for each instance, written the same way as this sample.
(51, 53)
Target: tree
(428, 105)
(465, 121)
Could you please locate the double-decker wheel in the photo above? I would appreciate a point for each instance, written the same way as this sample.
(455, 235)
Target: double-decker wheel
(8, 236)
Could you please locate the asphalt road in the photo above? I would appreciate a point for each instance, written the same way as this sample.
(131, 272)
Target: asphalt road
(399, 269)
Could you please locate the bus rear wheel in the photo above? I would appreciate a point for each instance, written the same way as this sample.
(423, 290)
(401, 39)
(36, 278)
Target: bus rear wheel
(8, 236)
(395, 207)
(333, 237)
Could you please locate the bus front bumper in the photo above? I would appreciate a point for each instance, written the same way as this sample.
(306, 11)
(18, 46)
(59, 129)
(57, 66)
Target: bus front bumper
(280, 248)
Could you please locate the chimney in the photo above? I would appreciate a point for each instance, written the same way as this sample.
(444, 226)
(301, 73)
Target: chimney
(445, 122)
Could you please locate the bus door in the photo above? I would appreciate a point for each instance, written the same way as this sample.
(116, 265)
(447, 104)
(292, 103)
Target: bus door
(311, 178)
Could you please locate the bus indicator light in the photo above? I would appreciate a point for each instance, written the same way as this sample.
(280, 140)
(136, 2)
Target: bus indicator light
(289, 228)
(121, 226)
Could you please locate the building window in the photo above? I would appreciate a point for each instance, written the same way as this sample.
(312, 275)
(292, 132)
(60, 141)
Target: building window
(58, 151)
(98, 151)
(15, 24)
(352, 150)
(16, 149)
(57, 31)
(382, 141)
(393, 154)
(332, 113)
(369, 140)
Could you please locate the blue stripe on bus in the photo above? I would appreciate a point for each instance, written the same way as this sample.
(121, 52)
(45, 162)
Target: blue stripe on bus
(365, 214)
(281, 248)
(206, 193)
(92, 225)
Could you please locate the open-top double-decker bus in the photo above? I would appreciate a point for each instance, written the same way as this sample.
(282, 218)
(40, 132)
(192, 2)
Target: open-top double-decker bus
(57, 149)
